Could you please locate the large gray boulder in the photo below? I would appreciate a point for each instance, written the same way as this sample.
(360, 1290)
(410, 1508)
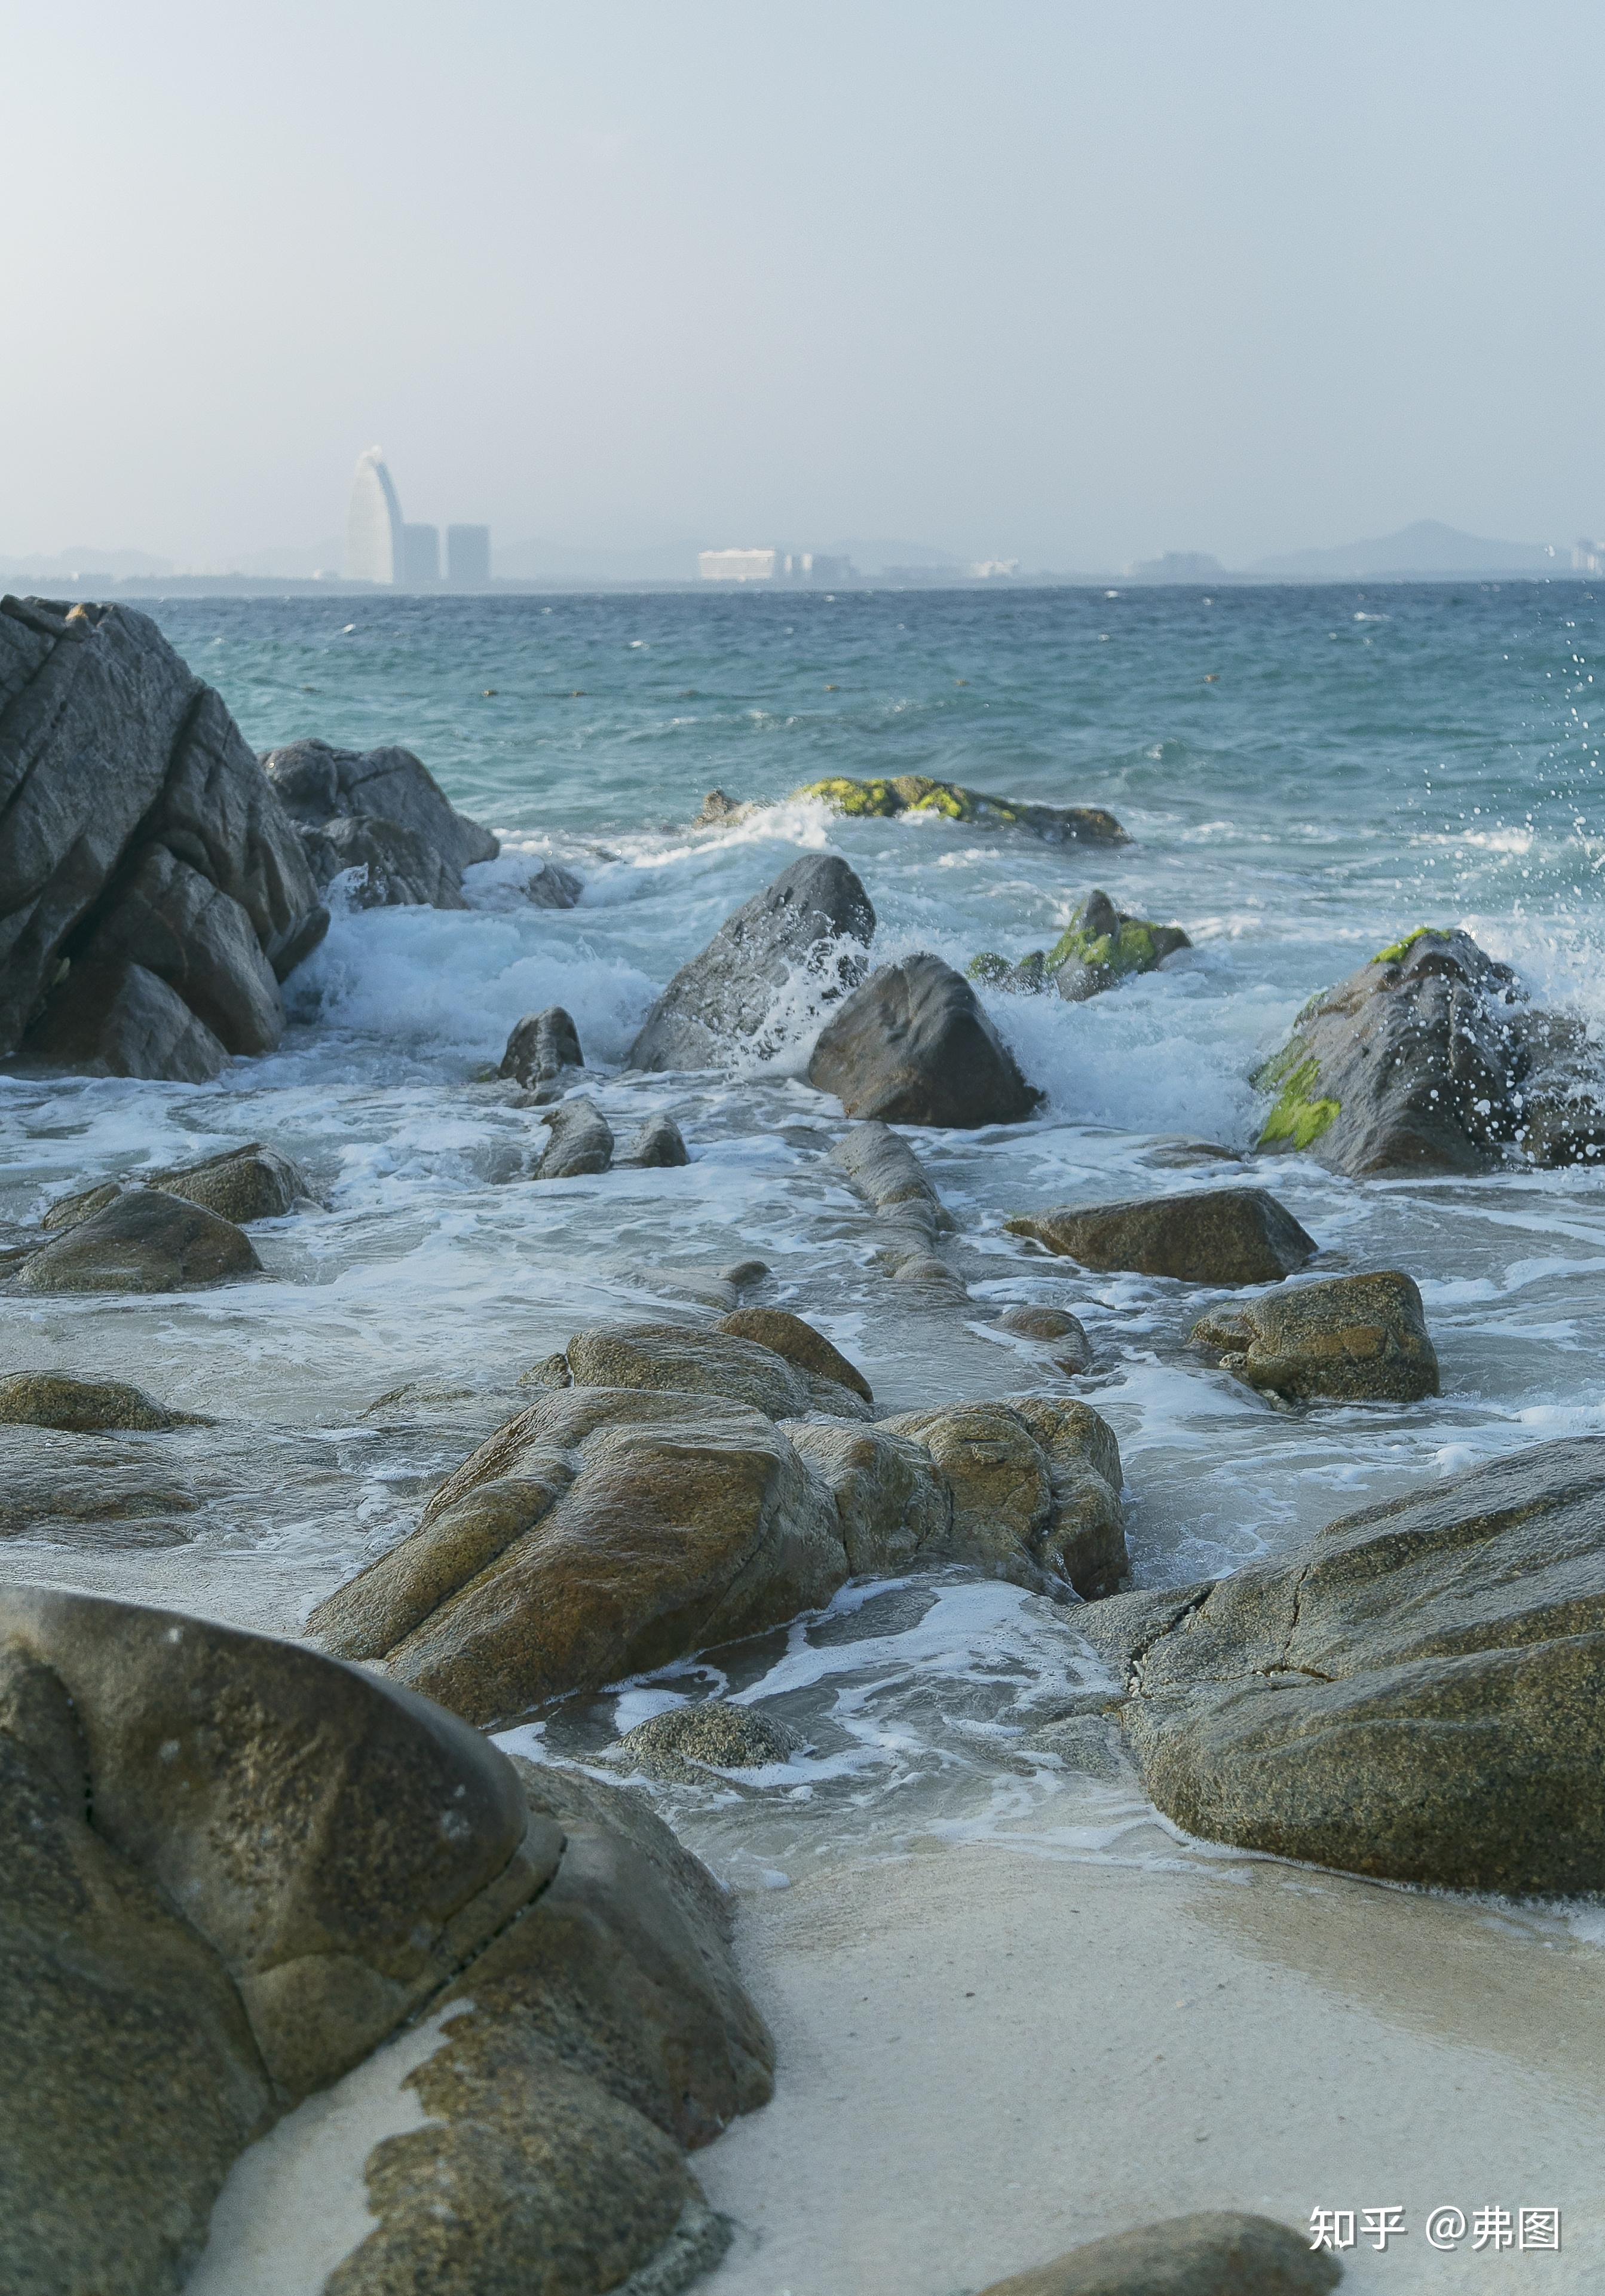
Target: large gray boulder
(381, 809)
(1207, 1236)
(809, 929)
(141, 848)
(229, 1867)
(913, 1047)
(1432, 1059)
(118, 1019)
(399, 869)
(1414, 1694)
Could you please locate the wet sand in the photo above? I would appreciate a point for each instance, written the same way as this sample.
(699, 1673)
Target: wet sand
(986, 2058)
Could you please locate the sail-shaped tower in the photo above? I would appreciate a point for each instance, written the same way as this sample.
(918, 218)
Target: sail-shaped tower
(373, 547)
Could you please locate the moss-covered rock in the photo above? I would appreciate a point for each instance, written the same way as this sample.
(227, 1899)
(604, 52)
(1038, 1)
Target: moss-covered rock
(1431, 1058)
(1101, 946)
(1058, 825)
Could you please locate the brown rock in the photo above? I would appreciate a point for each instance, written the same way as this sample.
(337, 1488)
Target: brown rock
(342, 1845)
(1208, 1235)
(143, 1240)
(83, 1406)
(1355, 1338)
(788, 1335)
(602, 1533)
(1413, 1694)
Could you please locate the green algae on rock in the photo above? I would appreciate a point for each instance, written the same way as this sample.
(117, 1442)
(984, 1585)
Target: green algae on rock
(1058, 825)
(1432, 1058)
(1101, 946)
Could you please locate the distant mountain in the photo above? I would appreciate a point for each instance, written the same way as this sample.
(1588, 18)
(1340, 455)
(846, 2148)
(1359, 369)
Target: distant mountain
(1426, 549)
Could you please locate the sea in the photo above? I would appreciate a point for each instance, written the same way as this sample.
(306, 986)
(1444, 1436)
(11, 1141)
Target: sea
(1305, 774)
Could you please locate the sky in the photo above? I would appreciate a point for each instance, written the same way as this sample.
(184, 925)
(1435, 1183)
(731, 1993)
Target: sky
(1075, 283)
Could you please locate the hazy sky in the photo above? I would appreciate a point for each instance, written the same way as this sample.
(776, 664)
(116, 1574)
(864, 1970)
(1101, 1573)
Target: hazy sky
(1073, 282)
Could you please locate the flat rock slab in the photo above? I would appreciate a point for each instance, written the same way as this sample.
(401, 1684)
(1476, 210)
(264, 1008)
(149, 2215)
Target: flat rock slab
(1355, 1338)
(913, 1045)
(1214, 2253)
(1227, 1236)
(1414, 1696)
(143, 1241)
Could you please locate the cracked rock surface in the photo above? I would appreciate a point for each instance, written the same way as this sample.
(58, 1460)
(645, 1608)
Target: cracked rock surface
(1415, 1696)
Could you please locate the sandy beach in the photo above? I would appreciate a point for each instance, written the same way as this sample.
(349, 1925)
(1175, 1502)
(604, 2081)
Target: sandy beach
(988, 2057)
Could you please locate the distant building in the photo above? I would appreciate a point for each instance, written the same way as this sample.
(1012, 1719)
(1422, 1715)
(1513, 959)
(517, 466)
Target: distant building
(738, 565)
(1177, 566)
(373, 523)
(468, 557)
(420, 567)
(1587, 557)
(992, 570)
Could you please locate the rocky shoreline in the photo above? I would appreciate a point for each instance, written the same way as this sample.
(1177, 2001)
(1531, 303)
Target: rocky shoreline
(239, 1865)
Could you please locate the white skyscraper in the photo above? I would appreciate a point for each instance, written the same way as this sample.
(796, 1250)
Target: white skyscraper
(374, 522)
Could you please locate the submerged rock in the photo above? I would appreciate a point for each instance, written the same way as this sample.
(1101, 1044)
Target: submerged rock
(1101, 946)
(581, 1141)
(1432, 1059)
(65, 1480)
(658, 1146)
(650, 1503)
(599, 2027)
(913, 1047)
(1057, 824)
(1207, 1235)
(252, 1183)
(1064, 1335)
(1354, 1339)
(808, 929)
(800, 1343)
(1414, 1694)
(714, 1733)
(143, 1240)
(541, 1048)
(1213, 2253)
(152, 891)
(886, 1172)
(84, 1407)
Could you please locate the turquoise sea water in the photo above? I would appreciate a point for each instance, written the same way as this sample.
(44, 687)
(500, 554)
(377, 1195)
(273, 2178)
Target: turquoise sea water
(1305, 774)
